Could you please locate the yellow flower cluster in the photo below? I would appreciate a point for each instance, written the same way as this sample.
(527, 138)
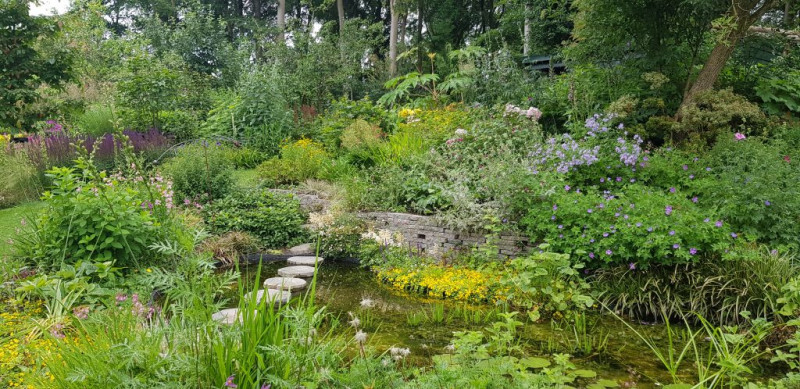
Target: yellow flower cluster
(445, 282)
(4, 139)
(19, 356)
(408, 112)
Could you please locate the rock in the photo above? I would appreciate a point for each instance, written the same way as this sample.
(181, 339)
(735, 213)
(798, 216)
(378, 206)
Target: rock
(280, 297)
(296, 271)
(303, 249)
(226, 316)
(285, 283)
(305, 260)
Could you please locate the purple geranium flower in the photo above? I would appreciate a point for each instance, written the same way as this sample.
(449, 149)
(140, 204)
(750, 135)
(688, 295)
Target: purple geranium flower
(632, 266)
(676, 246)
(567, 188)
(693, 251)
(668, 210)
(609, 252)
(672, 232)
(767, 203)
(694, 199)
(734, 235)
(718, 223)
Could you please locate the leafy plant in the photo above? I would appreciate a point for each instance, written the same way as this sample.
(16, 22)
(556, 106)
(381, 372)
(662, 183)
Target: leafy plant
(275, 219)
(200, 171)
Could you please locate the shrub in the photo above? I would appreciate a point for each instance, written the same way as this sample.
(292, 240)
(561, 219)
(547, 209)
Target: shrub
(244, 157)
(717, 112)
(275, 219)
(183, 125)
(299, 161)
(755, 188)
(341, 238)
(637, 227)
(200, 170)
(256, 112)
(93, 217)
(343, 112)
(229, 247)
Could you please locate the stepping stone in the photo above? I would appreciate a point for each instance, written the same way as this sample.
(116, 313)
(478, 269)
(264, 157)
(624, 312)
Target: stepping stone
(303, 249)
(285, 283)
(226, 316)
(296, 271)
(280, 297)
(305, 261)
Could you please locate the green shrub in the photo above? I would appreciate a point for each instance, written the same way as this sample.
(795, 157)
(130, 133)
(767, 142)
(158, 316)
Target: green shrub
(94, 217)
(256, 112)
(638, 227)
(343, 112)
(298, 162)
(341, 239)
(200, 170)
(755, 188)
(275, 219)
(713, 113)
(183, 125)
(244, 157)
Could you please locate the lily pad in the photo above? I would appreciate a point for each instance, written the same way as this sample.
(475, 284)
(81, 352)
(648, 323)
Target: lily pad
(534, 362)
(583, 373)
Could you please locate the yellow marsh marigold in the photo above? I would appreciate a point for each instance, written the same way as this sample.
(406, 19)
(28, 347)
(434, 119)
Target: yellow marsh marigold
(445, 282)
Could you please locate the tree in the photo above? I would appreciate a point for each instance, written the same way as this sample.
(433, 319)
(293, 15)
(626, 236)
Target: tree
(393, 37)
(281, 21)
(741, 16)
(24, 63)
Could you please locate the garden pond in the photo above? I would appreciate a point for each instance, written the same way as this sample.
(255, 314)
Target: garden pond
(600, 343)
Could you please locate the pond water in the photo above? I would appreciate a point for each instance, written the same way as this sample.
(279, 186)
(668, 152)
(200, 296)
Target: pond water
(426, 325)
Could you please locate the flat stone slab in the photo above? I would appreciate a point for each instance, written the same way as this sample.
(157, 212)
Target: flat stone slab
(226, 316)
(285, 283)
(280, 297)
(303, 249)
(305, 260)
(296, 271)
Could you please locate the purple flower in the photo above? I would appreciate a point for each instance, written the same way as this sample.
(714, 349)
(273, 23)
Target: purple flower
(602, 180)
(639, 224)
(691, 176)
(266, 386)
(668, 210)
(767, 203)
(605, 235)
(739, 136)
(633, 180)
(685, 167)
(718, 223)
(672, 190)
(553, 217)
(567, 188)
(229, 382)
(706, 220)
(589, 210)
(609, 252)
(624, 216)
(616, 214)
(671, 233)
(632, 266)
(693, 251)
(555, 207)
(676, 246)
(694, 199)
(591, 240)
(734, 235)
(591, 255)
(619, 179)
(708, 169)
(560, 226)
(649, 229)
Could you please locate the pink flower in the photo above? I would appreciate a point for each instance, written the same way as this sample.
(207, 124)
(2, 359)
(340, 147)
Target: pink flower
(739, 136)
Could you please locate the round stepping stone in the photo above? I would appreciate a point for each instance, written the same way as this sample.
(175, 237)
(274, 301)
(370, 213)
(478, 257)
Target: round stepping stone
(305, 261)
(285, 283)
(303, 249)
(226, 316)
(278, 296)
(296, 271)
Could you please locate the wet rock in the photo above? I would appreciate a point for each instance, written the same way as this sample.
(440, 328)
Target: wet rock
(296, 271)
(305, 260)
(285, 283)
(303, 249)
(279, 297)
(226, 316)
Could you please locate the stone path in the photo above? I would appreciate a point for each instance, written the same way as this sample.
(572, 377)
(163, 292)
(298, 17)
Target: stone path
(278, 289)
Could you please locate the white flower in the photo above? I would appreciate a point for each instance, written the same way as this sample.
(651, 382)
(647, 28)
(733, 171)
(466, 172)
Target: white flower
(450, 348)
(385, 362)
(355, 322)
(461, 131)
(399, 353)
(367, 303)
(360, 337)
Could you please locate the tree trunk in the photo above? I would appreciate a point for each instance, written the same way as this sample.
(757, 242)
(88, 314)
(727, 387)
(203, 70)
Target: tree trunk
(745, 12)
(419, 36)
(393, 38)
(401, 34)
(281, 21)
(526, 35)
(340, 13)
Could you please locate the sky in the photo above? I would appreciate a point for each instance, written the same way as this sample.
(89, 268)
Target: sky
(45, 7)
